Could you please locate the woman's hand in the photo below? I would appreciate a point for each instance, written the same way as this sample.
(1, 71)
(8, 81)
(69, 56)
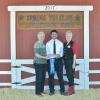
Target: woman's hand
(73, 66)
(46, 57)
(41, 57)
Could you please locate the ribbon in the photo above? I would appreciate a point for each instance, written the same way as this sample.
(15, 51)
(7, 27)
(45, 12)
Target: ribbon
(52, 69)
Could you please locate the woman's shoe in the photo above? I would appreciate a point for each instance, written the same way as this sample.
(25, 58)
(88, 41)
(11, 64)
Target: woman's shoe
(40, 95)
(70, 91)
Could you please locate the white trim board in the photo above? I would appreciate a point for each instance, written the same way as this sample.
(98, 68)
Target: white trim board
(51, 8)
(5, 60)
(5, 72)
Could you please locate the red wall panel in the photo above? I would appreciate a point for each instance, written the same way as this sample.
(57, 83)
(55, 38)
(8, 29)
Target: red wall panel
(5, 67)
(4, 31)
(95, 30)
(5, 78)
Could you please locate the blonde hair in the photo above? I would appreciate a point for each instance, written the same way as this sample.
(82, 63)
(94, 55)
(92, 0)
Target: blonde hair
(41, 33)
(69, 33)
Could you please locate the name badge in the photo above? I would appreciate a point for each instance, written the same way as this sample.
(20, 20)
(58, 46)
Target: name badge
(68, 46)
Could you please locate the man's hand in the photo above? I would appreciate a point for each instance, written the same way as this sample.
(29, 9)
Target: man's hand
(53, 56)
(57, 56)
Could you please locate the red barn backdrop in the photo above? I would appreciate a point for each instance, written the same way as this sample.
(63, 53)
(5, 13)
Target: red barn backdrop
(26, 38)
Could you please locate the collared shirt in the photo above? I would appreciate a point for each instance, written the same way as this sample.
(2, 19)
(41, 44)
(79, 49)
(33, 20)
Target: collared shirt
(59, 47)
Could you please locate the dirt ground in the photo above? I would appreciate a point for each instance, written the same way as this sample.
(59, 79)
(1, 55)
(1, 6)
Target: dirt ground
(15, 94)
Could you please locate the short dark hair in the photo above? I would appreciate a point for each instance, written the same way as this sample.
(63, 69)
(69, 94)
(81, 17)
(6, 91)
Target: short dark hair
(54, 31)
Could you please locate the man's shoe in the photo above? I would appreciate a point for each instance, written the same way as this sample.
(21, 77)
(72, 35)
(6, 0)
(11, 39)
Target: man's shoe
(51, 93)
(44, 93)
(62, 93)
